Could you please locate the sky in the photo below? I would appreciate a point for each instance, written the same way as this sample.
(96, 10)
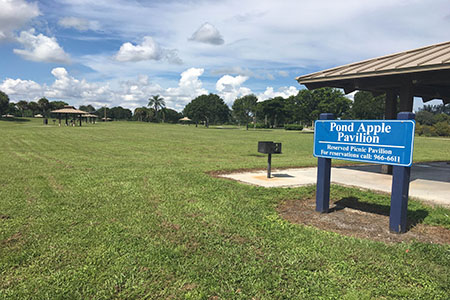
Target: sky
(121, 52)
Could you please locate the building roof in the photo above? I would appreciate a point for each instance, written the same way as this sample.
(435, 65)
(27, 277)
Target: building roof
(67, 109)
(429, 58)
(425, 71)
(185, 119)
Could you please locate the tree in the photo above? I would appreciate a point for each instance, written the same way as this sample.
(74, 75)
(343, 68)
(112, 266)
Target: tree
(425, 117)
(304, 107)
(4, 103)
(87, 108)
(330, 100)
(208, 108)
(273, 110)
(120, 113)
(34, 107)
(367, 107)
(54, 105)
(140, 114)
(22, 105)
(157, 102)
(12, 109)
(44, 106)
(172, 116)
(244, 108)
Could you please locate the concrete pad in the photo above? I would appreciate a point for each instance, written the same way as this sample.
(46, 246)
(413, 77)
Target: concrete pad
(430, 182)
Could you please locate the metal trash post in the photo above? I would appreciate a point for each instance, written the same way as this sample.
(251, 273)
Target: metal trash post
(269, 148)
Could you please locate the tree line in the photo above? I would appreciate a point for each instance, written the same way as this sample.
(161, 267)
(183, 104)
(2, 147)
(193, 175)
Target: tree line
(301, 109)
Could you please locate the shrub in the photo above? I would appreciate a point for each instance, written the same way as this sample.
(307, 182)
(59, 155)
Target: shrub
(259, 125)
(419, 129)
(429, 130)
(293, 127)
(441, 118)
(442, 128)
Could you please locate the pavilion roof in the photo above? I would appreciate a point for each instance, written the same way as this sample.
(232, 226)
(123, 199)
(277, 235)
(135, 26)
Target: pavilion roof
(427, 69)
(67, 109)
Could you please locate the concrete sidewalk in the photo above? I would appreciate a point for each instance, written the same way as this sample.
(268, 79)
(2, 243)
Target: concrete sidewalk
(430, 182)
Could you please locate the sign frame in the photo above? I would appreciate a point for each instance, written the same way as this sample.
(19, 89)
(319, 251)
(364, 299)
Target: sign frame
(409, 143)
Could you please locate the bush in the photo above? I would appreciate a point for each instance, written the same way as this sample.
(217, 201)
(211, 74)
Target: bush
(429, 131)
(419, 129)
(258, 125)
(293, 127)
(441, 118)
(442, 128)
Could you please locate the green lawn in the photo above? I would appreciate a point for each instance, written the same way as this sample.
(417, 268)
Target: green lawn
(128, 210)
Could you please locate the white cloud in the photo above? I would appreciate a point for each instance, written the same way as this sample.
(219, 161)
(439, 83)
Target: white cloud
(21, 89)
(189, 87)
(229, 88)
(135, 93)
(14, 14)
(78, 23)
(40, 48)
(208, 34)
(284, 92)
(147, 50)
(68, 87)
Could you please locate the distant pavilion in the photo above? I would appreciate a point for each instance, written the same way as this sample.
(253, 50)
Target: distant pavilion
(67, 111)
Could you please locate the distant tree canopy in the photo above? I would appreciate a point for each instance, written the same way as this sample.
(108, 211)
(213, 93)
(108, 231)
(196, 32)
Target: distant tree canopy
(4, 103)
(54, 105)
(44, 106)
(244, 109)
(87, 108)
(170, 115)
(367, 107)
(114, 113)
(303, 108)
(433, 120)
(208, 108)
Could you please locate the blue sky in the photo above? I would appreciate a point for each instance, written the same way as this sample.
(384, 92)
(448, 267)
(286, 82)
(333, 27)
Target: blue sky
(117, 52)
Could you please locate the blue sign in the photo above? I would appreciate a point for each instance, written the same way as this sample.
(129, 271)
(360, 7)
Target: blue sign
(387, 142)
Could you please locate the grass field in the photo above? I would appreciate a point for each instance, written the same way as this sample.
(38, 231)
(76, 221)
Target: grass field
(128, 210)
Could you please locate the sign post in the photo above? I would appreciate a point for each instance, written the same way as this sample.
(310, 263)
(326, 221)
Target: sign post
(323, 177)
(400, 190)
(374, 141)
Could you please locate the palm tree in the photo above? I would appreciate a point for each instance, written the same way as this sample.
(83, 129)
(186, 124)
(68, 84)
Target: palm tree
(157, 102)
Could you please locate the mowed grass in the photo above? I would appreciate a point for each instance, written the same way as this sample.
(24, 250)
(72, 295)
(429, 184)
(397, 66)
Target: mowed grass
(128, 210)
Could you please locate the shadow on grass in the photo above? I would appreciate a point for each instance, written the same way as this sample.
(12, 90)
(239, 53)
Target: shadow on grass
(414, 216)
(14, 120)
(224, 128)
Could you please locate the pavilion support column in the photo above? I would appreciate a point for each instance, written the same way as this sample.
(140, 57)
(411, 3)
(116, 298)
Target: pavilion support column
(390, 113)
(67, 119)
(80, 120)
(406, 98)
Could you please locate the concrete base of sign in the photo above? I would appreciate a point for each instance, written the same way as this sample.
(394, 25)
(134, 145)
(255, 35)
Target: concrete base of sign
(429, 181)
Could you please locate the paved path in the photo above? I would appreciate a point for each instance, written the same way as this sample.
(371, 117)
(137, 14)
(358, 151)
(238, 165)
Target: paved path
(429, 181)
